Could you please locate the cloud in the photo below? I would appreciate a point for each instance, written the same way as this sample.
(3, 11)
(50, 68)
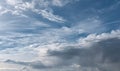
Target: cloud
(50, 16)
(8, 70)
(34, 64)
(20, 24)
(40, 7)
(61, 3)
(96, 52)
(31, 37)
(8, 67)
(102, 54)
(13, 2)
(96, 24)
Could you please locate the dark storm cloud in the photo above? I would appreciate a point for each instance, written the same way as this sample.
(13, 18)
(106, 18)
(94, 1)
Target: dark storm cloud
(103, 55)
(110, 49)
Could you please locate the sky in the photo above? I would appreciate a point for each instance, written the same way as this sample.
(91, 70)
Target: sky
(59, 35)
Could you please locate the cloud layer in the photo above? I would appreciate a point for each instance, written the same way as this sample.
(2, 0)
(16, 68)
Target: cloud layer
(59, 35)
(94, 52)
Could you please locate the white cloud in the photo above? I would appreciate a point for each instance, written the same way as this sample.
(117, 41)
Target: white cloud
(9, 67)
(89, 25)
(13, 2)
(41, 7)
(0, 8)
(50, 16)
(21, 24)
(93, 38)
(60, 2)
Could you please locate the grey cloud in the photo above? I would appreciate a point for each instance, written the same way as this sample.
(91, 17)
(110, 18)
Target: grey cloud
(103, 55)
(110, 48)
(34, 64)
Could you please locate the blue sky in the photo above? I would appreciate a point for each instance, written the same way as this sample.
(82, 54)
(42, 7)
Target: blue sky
(55, 35)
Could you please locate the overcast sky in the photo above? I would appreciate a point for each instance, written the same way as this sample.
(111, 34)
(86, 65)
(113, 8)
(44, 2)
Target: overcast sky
(59, 35)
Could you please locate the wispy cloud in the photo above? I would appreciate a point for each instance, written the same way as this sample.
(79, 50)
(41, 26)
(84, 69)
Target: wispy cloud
(19, 7)
(50, 16)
